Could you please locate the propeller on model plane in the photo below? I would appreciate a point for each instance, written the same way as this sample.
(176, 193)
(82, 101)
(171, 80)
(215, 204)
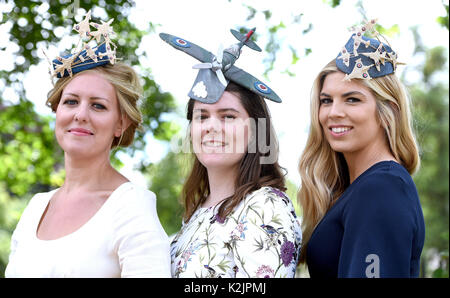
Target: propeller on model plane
(215, 65)
(231, 55)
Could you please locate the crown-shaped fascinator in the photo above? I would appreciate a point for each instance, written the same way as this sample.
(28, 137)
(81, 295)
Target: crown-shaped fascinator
(86, 56)
(366, 58)
(215, 71)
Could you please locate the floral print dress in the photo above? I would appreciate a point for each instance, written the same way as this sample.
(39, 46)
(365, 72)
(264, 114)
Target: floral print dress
(260, 238)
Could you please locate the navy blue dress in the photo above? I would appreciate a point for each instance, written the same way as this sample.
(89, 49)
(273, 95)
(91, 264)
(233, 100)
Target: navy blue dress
(375, 229)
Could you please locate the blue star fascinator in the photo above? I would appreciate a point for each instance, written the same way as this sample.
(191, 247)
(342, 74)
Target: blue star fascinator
(86, 56)
(216, 71)
(366, 58)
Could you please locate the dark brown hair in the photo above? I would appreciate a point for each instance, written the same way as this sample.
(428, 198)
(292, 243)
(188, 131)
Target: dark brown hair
(252, 173)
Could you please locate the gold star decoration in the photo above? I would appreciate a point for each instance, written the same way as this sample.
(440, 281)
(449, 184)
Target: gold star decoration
(369, 26)
(110, 53)
(103, 29)
(378, 56)
(357, 40)
(66, 65)
(393, 59)
(359, 32)
(90, 53)
(83, 27)
(86, 52)
(359, 71)
(345, 56)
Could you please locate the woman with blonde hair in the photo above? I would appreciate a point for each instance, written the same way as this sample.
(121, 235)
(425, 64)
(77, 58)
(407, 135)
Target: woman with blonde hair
(361, 212)
(98, 223)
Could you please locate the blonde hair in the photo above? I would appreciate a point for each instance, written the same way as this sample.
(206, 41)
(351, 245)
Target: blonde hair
(128, 91)
(324, 172)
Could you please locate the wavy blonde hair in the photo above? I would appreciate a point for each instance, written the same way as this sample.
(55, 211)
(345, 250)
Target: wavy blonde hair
(128, 90)
(324, 172)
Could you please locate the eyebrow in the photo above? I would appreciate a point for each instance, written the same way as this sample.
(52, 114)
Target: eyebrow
(219, 110)
(76, 95)
(343, 95)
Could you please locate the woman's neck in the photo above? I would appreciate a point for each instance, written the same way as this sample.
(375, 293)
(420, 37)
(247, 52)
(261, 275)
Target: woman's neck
(221, 185)
(92, 174)
(360, 161)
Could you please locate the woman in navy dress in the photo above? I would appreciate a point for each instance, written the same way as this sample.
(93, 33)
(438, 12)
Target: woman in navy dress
(361, 211)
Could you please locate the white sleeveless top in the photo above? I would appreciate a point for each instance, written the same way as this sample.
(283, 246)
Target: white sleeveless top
(123, 239)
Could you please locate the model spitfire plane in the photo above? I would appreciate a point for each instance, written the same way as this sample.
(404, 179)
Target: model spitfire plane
(215, 71)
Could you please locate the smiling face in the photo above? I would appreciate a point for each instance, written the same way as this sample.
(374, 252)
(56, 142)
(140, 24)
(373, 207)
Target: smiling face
(348, 116)
(220, 132)
(87, 116)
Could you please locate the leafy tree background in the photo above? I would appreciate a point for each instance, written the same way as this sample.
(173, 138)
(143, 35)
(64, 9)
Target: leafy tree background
(31, 161)
(432, 123)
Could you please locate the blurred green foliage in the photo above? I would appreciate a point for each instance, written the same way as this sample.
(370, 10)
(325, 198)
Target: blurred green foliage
(167, 178)
(333, 3)
(28, 152)
(431, 115)
(443, 20)
(273, 32)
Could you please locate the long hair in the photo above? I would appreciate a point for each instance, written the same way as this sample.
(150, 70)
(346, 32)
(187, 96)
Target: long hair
(252, 173)
(324, 172)
(128, 91)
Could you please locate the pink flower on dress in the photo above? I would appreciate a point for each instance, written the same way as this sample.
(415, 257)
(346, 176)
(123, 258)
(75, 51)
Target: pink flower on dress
(238, 232)
(265, 271)
(186, 255)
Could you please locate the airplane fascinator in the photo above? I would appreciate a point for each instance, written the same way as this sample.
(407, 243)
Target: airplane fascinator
(86, 56)
(215, 72)
(366, 58)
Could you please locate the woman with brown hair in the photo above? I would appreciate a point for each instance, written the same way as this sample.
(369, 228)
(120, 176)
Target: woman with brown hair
(238, 222)
(361, 211)
(98, 223)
